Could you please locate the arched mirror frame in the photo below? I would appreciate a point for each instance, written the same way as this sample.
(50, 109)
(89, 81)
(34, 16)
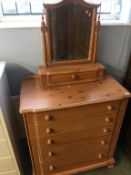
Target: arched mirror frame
(45, 28)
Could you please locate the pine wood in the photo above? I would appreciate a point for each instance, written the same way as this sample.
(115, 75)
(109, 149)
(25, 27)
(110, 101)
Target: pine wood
(48, 5)
(36, 99)
(61, 75)
(68, 35)
(78, 124)
(72, 110)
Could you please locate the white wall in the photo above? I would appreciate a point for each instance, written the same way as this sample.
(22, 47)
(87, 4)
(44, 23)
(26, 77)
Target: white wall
(22, 49)
(21, 46)
(114, 49)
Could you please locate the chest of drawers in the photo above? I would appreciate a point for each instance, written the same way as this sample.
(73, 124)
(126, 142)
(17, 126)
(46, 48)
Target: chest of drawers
(73, 128)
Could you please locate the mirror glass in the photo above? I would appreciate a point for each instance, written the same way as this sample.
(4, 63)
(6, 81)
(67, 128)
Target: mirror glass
(70, 32)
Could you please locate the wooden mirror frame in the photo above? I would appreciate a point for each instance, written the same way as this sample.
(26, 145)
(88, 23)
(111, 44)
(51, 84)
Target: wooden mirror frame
(46, 33)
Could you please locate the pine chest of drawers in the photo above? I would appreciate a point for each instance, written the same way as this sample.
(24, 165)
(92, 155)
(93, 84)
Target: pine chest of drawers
(72, 128)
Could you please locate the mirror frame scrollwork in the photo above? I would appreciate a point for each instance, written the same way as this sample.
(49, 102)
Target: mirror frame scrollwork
(46, 33)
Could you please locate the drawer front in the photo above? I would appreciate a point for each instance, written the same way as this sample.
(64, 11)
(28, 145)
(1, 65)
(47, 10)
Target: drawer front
(93, 127)
(74, 162)
(68, 163)
(71, 77)
(73, 148)
(10, 173)
(60, 139)
(63, 156)
(1, 132)
(74, 113)
(4, 150)
(6, 164)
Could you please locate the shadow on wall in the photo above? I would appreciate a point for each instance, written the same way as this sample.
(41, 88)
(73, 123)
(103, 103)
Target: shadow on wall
(116, 73)
(16, 74)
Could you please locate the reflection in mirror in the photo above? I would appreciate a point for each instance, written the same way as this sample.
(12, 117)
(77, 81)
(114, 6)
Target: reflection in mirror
(70, 29)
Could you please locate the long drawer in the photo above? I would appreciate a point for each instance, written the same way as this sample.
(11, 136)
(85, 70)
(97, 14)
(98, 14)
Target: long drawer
(74, 148)
(93, 125)
(74, 136)
(61, 151)
(74, 113)
(74, 162)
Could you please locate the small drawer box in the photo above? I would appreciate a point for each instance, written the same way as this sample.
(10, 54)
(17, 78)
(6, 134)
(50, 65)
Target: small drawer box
(70, 74)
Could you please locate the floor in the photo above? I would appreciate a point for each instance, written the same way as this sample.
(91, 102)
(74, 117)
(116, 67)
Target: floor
(123, 165)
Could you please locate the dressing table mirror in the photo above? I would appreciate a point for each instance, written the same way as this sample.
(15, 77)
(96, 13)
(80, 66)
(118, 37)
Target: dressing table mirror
(70, 31)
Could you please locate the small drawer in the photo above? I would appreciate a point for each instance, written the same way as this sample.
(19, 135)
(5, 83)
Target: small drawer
(71, 77)
(59, 75)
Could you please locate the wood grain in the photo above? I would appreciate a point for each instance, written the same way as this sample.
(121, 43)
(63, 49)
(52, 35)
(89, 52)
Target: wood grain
(35, 99)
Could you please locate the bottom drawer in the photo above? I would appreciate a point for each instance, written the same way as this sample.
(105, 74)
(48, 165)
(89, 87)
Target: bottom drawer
(75, 154)
(74, 162)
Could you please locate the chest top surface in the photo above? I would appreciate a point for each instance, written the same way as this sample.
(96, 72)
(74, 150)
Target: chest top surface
(35, 99)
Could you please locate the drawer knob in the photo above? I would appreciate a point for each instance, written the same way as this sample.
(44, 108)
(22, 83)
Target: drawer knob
(49, 141)
(47, 118)
(100, 156)
(105, 130)
(51, 167)
(109, 107)
(74, 77)
(50, 154)
(107, 119)
(103, 142)
(48, 130)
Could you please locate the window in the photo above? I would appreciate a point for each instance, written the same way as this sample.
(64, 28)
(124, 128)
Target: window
(21, 7)
(110, 9)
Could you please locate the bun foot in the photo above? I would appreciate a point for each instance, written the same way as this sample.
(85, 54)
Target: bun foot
(111, 166)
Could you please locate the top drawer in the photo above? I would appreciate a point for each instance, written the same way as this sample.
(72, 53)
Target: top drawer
(73, 77)
(74, 113)
(59, 75)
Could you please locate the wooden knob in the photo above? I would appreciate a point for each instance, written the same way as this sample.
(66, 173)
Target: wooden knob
(103, 142)
(50, 154)
(100, 156)
(105, 130)
(74, 76)
(109, 107)
(47, 118)
(107, 119)
(51, 168)
(48, 130)
(49, 141)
